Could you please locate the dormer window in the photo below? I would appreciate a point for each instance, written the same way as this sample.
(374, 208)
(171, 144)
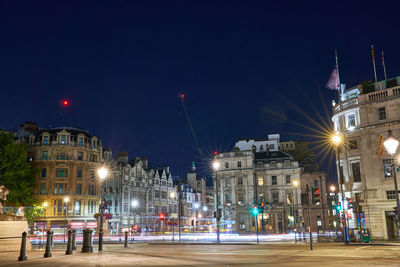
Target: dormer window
(94, 144)
(226, 165)
(80, 141)
(63, 139)
(45, 140)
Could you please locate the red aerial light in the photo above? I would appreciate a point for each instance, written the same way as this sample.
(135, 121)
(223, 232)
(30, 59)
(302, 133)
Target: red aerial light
(215, 153)
(65, 102)
(182, 96)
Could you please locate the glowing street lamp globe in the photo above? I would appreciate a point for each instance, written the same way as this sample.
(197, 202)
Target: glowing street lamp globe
(391, 144)
(172, 195)
(336, 139)
(45, 204)
(135, 203)
(295, 183)
(66, 199)
(102, 172)
(332, 188)
(205, 208)
(216, 165)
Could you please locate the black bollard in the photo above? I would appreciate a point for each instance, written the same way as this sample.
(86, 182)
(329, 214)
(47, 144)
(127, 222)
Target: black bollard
(52, 239)
(126, 240)
(87, 241)
(22, 254)
(47, 253)
(73, 239)
(69, 244)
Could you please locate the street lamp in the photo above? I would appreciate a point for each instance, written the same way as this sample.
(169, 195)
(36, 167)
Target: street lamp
(45, 204)
(216, 166)
(172, 196)
(332, 188)
(295, 183)
(337, 141)
(66, 200)
(391, 144)
(103, 173)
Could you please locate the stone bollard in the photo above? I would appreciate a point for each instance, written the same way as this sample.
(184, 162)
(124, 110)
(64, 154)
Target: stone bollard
(22, 254)
(73, 239)
(87, 241)
(126, 240)
(69, 244)
(49, 238)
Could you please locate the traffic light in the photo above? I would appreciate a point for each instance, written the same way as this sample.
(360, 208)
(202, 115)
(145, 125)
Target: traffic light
(162, 216)
(261, 207)
(316, 196)
(338, 206)
(255, 210)
(350, 203)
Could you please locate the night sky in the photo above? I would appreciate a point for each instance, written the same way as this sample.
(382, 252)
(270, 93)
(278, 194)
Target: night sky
(122, 64)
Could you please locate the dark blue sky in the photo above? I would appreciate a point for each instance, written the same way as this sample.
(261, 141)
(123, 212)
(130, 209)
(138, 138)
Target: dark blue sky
(122, 65)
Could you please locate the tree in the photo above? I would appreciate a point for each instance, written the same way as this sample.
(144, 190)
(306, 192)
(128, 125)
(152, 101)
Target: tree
(16, 173)
(32, 213)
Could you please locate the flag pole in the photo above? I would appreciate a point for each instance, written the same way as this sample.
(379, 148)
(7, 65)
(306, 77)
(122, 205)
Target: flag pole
(338, 77)
(384, 67)
(373, 61)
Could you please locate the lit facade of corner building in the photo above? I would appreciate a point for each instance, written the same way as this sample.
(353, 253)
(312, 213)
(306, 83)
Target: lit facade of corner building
(362, 114)
(247, 177)
(67, 160)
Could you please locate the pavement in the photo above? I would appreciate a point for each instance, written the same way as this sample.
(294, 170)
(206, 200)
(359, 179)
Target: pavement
(269, 254)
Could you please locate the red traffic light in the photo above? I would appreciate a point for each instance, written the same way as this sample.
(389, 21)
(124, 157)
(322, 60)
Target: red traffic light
(162, 216)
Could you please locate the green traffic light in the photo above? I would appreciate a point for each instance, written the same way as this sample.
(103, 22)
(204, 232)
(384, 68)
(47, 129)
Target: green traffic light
(338, 207)
(255, 211)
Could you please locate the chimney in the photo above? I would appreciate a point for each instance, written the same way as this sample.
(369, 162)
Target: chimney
(253, 148)
(30, 126)
(122, 157)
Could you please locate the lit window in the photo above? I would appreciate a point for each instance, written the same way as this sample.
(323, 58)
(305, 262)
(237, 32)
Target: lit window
(45, 140)
(351, 120)
(63, 139)
(261, 181)
(80, 141)
(319, 223)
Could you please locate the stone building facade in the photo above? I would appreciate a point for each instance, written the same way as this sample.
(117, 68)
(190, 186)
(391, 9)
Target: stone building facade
(364, 114)
(67, 160)
(248, 177)
(138, 195)
(314, 177)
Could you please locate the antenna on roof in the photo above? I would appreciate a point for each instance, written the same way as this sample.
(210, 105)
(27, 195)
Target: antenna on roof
(383, 64)
(373, 61)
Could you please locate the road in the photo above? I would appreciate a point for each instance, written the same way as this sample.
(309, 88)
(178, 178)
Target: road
(276, 254)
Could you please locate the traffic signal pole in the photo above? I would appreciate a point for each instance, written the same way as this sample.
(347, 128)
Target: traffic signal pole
(309, 217)
(341, 181)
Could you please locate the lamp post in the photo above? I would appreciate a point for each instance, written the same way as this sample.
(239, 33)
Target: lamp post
(332, 189)
(337, 141)
(66, 200)
(134, 205)
(172, 196)
(45, 204)
(216, 167)
(391, 144)
(295, 203)
(102, 172)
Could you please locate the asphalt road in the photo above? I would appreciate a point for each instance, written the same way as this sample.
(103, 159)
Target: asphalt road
(212, 255)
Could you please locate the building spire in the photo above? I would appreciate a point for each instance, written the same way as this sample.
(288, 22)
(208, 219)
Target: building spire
(193, 166)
